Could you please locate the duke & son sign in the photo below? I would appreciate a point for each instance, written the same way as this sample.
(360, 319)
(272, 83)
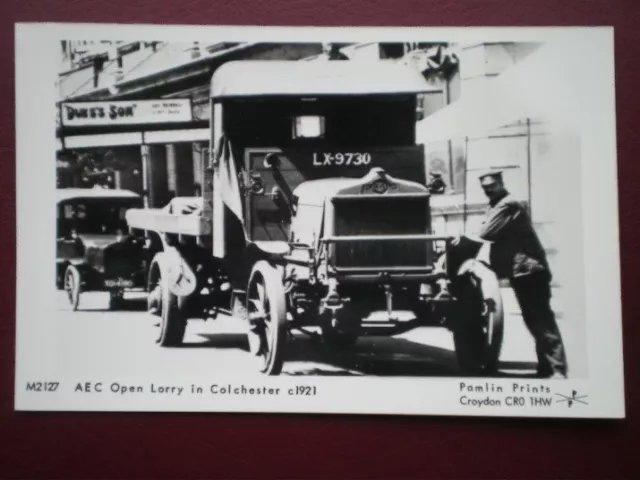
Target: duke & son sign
(81, 114)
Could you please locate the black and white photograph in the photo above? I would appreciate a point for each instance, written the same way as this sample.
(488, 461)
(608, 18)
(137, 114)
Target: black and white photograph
(393, 221)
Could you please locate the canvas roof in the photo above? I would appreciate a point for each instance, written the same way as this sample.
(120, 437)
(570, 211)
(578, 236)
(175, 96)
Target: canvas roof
(250, 78)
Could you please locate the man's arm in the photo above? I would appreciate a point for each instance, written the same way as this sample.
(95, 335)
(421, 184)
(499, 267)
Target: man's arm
(493, 225)
(475, 238)
(500, 217)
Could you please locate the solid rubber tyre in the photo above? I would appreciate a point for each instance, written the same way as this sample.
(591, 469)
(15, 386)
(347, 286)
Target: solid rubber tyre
(173, 322)
(479, 329)
(265, 300)
(72, 285)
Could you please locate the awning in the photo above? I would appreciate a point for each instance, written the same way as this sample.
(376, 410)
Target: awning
(133, 138)
(548, 86)
(317, 78)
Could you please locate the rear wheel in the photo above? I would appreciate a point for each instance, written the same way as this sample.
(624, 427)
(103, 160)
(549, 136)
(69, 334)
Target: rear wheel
(164, 304)
(266, 311)
(478, 330)
(72, 286)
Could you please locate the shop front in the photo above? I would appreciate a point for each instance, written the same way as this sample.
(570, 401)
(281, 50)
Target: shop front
(154, 147)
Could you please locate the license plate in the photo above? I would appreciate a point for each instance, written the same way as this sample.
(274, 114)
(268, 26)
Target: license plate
(341, 159)
(120, 282)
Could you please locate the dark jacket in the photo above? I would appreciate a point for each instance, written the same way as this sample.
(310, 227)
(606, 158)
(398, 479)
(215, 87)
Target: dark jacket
(516, 249)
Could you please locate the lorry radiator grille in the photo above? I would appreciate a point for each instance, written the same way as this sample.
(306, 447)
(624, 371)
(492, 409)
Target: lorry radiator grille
(383, 216)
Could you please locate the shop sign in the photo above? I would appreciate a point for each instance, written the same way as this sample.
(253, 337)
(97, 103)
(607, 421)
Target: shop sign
(81, 114)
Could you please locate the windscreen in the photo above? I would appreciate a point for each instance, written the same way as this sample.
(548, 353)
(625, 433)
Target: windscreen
(384, 120)
(94, 216)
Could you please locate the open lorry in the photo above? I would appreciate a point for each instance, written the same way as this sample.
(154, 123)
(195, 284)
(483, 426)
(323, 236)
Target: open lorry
(315, 214)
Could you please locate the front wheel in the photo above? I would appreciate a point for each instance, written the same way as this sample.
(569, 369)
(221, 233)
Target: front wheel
(267, 317)
(164, 304)
(478, 331)
(72, 286)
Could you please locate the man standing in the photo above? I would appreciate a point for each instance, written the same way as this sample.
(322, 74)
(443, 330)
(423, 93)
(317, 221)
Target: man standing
(517, 255)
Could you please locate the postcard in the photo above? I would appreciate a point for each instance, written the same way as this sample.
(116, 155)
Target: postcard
(405, 221)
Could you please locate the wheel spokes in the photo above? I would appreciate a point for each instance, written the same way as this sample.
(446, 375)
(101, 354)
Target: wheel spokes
(69, 287)
(261, 292)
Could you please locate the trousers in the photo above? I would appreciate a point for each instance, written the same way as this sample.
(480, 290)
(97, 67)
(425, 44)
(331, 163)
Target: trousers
(533, 293)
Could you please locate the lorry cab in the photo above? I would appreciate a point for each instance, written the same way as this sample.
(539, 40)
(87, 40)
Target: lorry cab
(278, 125)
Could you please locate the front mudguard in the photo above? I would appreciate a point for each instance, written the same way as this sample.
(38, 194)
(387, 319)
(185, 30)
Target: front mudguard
(481, 275)
(177, 271)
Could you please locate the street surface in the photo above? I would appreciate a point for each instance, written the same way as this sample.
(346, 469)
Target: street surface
(90, 338)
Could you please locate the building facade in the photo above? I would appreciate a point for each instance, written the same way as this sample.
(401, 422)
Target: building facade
(162, 153)
(164, 159)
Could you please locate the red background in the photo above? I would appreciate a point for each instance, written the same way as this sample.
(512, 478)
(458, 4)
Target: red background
(71, 445)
